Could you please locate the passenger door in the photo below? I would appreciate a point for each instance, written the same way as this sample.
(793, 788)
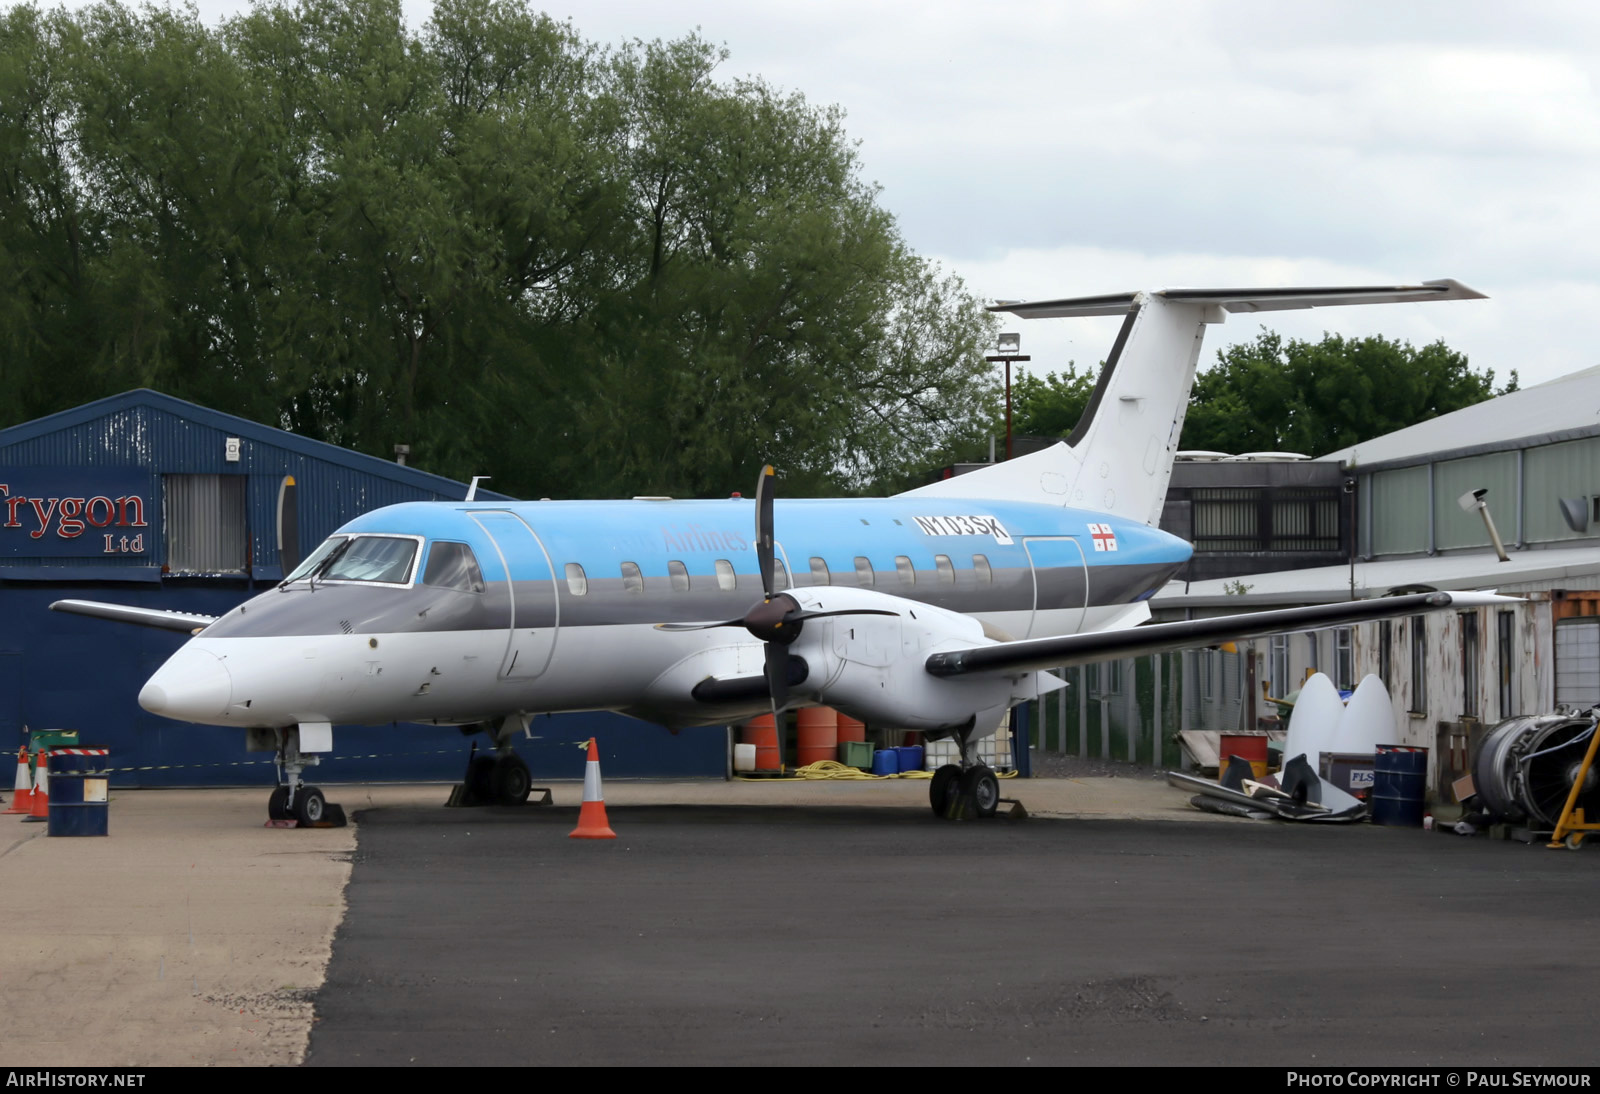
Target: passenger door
(535, 611)
(1060, 584)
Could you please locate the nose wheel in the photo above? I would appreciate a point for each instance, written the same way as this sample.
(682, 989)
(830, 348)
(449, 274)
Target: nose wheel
(292, 800)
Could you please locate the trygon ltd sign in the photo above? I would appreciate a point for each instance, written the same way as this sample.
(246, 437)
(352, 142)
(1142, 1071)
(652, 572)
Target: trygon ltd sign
(87, 512)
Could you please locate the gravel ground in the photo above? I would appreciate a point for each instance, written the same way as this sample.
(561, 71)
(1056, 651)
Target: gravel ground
(1054, 765)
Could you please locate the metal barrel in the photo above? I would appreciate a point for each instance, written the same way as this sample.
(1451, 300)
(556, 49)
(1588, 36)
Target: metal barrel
(1399, 782)
(79, 780)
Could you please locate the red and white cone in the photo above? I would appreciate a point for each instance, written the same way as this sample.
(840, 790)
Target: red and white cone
(39, 807)
(592, 823)
(22, 791)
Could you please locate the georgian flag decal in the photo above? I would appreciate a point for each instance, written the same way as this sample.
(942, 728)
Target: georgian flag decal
(1104, 538)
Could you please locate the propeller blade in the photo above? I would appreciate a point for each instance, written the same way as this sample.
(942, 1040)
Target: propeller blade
(778, 675)
(764, 539)
(796, 617)
(698, 626)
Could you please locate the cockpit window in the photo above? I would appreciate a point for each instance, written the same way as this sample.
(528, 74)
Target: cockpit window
(453, 566)
(373, 558)
(316, 558)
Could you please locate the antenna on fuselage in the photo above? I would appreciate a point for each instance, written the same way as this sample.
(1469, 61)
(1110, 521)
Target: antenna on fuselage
(472, 490)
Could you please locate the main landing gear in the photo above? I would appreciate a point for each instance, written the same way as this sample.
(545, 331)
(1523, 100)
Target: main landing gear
(964, 790)
(499, 779)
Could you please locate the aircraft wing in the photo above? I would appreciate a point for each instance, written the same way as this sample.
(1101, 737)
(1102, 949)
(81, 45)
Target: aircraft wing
(1080, 649)
(1244, 300)
(187, 622)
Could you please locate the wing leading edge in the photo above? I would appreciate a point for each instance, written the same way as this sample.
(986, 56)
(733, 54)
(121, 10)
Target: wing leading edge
(187, 622)
(1081, 649)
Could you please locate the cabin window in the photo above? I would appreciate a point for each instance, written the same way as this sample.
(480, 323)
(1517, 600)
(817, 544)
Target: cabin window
(207, 526)
(316, 558)
(980, 567)
(946, 568)
(726, 578)
(373, 558)
(632, 579)
(780, 575)
(908, 572)
(453, 566)
(679, 573)
(577, 580)
(819, 572)
(864, 575)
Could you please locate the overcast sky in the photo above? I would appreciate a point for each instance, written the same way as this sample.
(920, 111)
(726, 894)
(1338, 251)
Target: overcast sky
(1059, 148)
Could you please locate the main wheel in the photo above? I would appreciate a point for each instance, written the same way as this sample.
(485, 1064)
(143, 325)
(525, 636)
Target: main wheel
(480, 780)
(512, 781)
(309, 806)
(278, 804)
(944, 788)
(980, 784)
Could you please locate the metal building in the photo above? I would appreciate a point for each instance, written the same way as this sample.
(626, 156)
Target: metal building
(148, 500)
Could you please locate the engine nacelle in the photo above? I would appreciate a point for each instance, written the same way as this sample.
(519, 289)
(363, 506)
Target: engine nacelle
(871, 667)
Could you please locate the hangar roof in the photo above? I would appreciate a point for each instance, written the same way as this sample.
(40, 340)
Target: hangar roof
(1557, 410)
(240, 427)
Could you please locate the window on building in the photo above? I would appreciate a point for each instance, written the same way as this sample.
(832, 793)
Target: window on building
(1279, 648)
(1114, 679)
(1385, 650)
(819, 572)
(679, 575)
(946, 568)
(1313, 662)
(206, 524)
(632, 579)
(453, 566)
(1578, 662)
(1208, 663)
(577, 580)
(908, 572)
(1419, 664)
(1469, 664)
(980, 569)
(864, 575)
(1505, 624)
(726, 578)
(1343, 658)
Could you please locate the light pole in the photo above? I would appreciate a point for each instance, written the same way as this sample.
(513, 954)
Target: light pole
(1008, 345)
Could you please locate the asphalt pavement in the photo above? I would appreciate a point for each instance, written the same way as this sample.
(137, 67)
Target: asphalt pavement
(848, 933)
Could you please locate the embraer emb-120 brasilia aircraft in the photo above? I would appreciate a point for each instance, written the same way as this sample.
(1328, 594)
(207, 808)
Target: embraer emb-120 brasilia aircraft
(935, 610)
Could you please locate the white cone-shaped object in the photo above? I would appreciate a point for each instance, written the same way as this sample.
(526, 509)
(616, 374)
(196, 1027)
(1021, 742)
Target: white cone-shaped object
(1314, 722)
(1368, 720)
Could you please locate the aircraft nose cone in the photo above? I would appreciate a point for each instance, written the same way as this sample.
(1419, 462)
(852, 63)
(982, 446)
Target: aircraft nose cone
(193, 686)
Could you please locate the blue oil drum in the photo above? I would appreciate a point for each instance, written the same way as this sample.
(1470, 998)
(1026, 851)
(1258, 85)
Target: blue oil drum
(910, 757)
(886, 761)
(1399, 781)
(79, 791)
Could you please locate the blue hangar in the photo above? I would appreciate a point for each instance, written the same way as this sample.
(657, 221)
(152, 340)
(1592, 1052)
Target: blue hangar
(149, 500)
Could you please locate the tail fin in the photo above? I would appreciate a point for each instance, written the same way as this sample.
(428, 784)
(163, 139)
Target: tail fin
(1118, 459)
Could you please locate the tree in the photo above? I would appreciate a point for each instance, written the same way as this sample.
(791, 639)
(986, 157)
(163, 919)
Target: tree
(1050, 405)
(583, 271)
(1316, 397)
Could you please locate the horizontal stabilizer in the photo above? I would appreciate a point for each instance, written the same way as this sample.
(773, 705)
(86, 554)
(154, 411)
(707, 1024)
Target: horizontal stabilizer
(1245, 300)
(1083, 649)
(187, 622)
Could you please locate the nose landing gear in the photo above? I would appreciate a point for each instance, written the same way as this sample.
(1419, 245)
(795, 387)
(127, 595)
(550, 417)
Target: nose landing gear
(292, 803)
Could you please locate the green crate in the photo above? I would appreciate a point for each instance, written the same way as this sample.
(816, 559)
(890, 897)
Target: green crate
(856, 754)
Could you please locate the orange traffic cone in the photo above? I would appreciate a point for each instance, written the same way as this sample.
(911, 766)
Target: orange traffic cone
(39, 808)
(592, 823)
(22, 793)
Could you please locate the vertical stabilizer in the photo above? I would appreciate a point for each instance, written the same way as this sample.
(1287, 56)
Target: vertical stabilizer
(1119, 458)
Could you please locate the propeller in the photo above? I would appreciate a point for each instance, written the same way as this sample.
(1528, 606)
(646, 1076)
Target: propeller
(777, 620)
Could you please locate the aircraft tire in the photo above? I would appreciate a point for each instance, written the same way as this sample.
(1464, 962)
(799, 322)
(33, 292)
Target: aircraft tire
(277, 804)
(513, 782)
(480, 780)
(980, 785)
(944, 789)
(309, 806)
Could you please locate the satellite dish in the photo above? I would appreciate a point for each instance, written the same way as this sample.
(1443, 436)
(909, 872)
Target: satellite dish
(1576, 514)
